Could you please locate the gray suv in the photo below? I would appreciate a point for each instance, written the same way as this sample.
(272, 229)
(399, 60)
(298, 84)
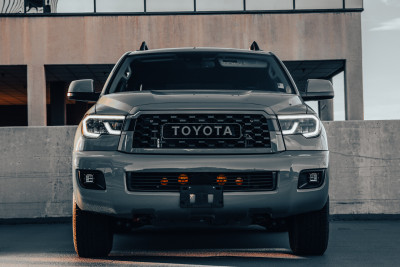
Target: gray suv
(200, 135)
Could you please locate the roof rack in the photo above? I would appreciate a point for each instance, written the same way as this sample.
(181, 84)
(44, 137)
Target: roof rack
(143, 46)
(254, 47)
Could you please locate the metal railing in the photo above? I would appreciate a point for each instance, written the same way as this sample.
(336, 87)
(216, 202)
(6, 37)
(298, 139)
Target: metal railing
(28, 7)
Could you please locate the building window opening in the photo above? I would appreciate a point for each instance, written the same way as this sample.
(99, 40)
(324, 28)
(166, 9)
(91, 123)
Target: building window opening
(13, 96)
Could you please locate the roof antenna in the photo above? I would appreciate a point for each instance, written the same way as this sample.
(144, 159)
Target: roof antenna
(254, 46)
(143, 46)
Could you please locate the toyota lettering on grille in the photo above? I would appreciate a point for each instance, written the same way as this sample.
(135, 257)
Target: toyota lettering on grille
(201, 131)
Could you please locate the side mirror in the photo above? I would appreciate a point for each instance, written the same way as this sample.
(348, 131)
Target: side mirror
(82, 90)
(318, 90)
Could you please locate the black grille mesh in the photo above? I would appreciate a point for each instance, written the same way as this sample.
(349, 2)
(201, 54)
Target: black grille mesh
(255, 132)
(149, 181)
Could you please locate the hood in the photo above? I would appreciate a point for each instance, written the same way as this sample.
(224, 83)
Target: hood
(131, 102)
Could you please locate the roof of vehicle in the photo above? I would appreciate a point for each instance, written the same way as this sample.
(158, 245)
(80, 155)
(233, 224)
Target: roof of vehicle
(198, 49)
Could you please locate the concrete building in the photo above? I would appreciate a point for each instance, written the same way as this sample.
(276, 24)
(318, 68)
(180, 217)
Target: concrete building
(42, 52)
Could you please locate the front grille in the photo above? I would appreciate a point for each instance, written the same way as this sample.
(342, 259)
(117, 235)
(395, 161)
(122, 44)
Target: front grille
(254, 131)
(149, 181)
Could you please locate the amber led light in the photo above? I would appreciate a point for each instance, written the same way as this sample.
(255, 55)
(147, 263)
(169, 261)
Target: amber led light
(183, 179)
(164, 181)
(221, 179)
(239, 181)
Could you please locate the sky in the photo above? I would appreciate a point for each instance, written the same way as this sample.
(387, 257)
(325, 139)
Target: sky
(381, 60)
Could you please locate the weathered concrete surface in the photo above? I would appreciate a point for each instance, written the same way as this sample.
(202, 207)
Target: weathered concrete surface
(103, 39)
(365, 167)
(36, 95)
(40, 41)
(35, 163)
(35, 176)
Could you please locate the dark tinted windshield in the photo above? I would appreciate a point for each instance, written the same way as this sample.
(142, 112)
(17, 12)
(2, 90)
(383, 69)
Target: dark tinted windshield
(201, 70)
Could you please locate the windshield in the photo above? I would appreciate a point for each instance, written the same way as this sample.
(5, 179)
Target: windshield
(201, 70)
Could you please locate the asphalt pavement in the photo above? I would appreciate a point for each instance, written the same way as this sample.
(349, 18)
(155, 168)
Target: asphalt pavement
(352, 243)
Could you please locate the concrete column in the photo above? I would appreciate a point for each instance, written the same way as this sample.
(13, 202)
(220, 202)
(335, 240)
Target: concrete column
(57, 103)
(353, 89)
(325, 110)
(36, 84)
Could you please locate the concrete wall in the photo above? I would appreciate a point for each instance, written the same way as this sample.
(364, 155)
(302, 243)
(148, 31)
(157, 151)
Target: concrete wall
(35, 176)
(39, 41)
(35, 163)
(365, 167)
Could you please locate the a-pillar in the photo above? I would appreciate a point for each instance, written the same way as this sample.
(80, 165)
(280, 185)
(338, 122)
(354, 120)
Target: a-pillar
(36, 84)
(57, 103)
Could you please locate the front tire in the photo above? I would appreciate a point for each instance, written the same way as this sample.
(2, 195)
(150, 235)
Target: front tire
(92, 232)
(309, 233)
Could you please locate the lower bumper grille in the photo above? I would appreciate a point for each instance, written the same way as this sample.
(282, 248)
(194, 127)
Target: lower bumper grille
(168, 182)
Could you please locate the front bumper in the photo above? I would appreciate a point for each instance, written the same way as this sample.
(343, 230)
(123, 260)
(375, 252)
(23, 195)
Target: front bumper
(116, 200)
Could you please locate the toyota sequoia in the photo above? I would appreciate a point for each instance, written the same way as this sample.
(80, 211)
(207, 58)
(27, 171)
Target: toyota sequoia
(200, 135)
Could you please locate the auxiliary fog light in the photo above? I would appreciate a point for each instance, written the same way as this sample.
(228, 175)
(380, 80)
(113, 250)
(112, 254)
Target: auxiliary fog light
(91, 179)
(221, 179)
(164, 181)
(239, 181)
(311, 178)
(183, 179)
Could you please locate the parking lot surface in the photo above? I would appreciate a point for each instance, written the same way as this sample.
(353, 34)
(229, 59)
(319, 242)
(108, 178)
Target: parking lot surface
(352, 243)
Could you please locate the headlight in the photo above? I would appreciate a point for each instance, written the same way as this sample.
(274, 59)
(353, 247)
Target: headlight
(95, 125)
(307, 125)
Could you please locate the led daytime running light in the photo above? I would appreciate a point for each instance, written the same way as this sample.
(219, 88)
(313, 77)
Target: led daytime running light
(296, 123)
(104, 119)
